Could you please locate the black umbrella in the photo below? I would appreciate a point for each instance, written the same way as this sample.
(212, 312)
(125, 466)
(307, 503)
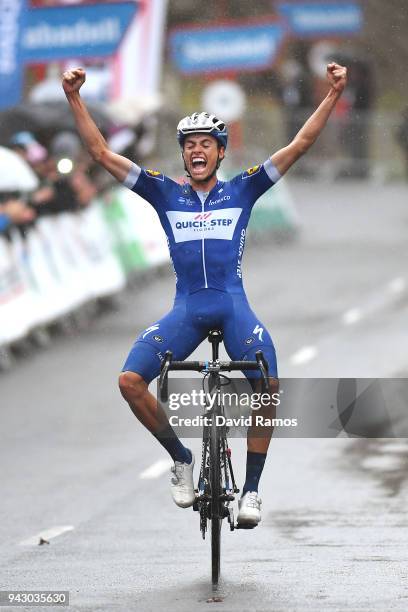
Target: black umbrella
(46, 119)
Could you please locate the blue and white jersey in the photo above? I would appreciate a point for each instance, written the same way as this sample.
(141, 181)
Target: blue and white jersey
(206, 236)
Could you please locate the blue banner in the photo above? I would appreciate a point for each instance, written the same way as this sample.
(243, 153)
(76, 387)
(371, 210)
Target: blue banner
(226, 48)
(12, 15)
(322, 18)
(76, 31)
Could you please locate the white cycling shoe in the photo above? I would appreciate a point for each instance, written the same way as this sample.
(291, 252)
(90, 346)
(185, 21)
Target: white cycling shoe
(182, 483)
(249, 509)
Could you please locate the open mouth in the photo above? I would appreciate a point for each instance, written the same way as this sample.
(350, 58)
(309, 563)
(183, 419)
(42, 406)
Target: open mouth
(199, 163)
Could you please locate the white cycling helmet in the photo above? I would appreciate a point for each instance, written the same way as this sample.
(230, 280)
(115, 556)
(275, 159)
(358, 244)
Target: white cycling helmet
(202, 123)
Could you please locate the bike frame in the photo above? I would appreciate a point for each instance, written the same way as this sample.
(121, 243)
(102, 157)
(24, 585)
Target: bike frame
(216, 483)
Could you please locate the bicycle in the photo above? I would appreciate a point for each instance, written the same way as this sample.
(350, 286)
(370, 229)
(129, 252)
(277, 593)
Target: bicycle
(216, 487)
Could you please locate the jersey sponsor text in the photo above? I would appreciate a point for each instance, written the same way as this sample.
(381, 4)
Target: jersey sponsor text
(215, 224)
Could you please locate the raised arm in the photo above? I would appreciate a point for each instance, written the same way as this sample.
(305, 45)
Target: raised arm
(117, 165)
(284, 158)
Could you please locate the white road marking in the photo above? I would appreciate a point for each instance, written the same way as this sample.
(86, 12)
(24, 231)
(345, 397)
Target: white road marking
(382, 463)
(351, 316)
(47, 534)
(395, 447)
(380, 301)
(303, 355)
(156, 469)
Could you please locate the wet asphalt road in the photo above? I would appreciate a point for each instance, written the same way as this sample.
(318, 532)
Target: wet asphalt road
(334, 528)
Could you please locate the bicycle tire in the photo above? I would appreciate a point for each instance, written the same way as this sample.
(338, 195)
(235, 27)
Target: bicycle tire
(216, 520)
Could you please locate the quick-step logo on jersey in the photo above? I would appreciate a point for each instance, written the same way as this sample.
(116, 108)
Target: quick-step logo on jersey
(154, 174)
(214, 224)
(251, 172)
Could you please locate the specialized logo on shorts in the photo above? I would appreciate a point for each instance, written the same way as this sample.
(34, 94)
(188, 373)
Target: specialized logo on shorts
(155, 174)
(258, 332)
(214, 224)
(249, 341)
(251, 171)
(158, 338)
(150, 329)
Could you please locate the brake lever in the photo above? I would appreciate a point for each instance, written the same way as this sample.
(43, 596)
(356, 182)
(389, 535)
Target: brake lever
(263, 366)
(164, 376)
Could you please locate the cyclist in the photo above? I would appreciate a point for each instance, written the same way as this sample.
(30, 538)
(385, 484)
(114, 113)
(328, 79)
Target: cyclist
(205, 222)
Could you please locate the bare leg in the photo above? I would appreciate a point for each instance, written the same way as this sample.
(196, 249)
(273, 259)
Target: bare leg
(259, 436)
(258, 439)
(143, 404)
(150, 413)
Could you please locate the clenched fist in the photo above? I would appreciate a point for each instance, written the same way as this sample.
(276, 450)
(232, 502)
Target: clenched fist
(337, 76)
(72, 80)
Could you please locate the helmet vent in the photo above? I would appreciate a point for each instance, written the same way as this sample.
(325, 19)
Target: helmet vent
(203, 123)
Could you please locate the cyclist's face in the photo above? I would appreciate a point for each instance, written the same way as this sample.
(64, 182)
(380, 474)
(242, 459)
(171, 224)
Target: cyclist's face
(201, 153)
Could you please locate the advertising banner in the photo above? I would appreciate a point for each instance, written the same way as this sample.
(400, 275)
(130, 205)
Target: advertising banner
(12, 16)
(75, 31)
(226, 48)
(322, 18)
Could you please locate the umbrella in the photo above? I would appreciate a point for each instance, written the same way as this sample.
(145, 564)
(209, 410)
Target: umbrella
(15, 174)
(45, 120)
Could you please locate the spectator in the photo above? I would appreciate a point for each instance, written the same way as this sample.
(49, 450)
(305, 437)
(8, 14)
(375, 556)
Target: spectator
(297, 95)
(66, 146)
(355, 132)
(56, 193)
(25, 144)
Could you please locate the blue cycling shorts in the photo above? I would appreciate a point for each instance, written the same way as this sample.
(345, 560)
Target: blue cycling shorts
(188, 324)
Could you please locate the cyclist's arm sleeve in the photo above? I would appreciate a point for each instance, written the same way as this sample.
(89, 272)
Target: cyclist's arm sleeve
(272, 171)
(132, 177)
(149, 184)
(258, 179)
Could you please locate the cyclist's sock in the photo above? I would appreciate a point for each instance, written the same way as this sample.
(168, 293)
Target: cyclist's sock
(169, 441)
(254, 467)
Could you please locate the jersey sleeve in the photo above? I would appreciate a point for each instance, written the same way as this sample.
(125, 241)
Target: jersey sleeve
(149, 184)
(258, 179)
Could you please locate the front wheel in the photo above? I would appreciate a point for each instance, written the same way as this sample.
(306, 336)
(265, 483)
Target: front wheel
(216, 520)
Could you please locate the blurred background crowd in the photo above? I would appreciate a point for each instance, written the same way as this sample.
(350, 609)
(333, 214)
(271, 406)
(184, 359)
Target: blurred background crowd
(141, 81)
